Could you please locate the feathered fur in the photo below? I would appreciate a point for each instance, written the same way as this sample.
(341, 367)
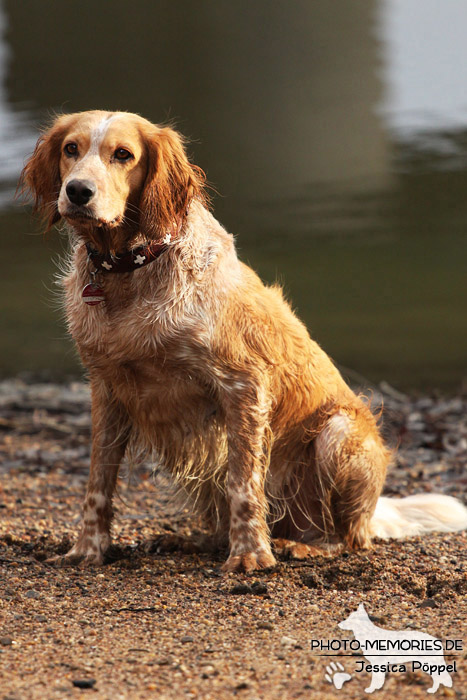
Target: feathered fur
(193, 359)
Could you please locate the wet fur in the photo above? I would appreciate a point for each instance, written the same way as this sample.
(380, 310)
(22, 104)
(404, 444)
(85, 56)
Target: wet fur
(195, 360)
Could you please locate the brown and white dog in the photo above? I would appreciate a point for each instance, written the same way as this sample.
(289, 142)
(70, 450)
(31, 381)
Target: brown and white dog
(193, 358)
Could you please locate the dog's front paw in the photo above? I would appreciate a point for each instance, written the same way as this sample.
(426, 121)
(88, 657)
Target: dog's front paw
(82, 554)
(76, 560)
(249, 561)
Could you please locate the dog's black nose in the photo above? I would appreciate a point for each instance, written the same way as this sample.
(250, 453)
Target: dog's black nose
(80, 191)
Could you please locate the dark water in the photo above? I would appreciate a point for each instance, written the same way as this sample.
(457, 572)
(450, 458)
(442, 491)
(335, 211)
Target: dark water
(337, 144)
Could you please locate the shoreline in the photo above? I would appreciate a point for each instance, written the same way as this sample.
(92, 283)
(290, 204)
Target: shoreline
(160, 620)
(428, 433)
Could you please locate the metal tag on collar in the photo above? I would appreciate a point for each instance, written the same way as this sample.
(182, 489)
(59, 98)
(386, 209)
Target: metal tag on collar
(93, 293)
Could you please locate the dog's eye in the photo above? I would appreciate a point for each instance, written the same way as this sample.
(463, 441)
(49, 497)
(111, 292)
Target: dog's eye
(71, 149)
(122, 154)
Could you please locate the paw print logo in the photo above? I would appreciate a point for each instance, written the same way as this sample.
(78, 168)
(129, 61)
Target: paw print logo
(336, 675)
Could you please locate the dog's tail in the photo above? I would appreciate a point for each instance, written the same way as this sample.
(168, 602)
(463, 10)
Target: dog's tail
(414, 515)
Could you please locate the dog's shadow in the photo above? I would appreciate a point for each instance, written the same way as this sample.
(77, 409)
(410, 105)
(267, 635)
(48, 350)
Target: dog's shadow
(196, 544)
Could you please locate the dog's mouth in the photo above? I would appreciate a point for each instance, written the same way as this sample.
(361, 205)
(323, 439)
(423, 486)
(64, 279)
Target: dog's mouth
(104, 235)
(79, 215)
(86, 216)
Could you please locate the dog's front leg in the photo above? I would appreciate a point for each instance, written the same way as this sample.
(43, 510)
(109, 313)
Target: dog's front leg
(109, 439)
(247, 412)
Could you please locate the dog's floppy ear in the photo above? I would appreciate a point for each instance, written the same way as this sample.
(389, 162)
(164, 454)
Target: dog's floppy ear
(171, 183)
(41, 174)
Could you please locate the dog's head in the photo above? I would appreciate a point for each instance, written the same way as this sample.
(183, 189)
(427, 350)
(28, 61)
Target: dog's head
(112, 175)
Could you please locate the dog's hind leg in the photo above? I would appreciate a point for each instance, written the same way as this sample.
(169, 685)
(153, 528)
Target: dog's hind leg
(350, 464)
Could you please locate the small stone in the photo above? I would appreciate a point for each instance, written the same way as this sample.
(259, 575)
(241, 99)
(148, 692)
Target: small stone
(186, 639)
(208, 668)
(240, 589)
(265, 626)
(32, 594)
(314, 580)
(84, 683)
(288, 641)
(41, 618)
(428, 603)
(6, 641)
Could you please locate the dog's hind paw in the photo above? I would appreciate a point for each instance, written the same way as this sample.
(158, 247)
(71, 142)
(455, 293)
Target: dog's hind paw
(249, 561)
(296, 550)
